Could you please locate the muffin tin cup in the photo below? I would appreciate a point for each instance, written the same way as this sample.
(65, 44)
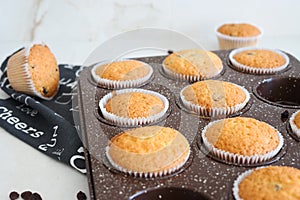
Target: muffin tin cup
(214, 112)
(120, 84)
(169, 193)
(253, 70)
(144, 174)
(123, 121)
(293, 126)
(279, 91)
(19, 75)
(236, 158)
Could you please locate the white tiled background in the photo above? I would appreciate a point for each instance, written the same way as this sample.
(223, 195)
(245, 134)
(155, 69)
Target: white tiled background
(74, 28)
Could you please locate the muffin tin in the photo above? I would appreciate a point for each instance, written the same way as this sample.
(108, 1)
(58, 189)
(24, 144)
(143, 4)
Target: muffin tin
(203, 176)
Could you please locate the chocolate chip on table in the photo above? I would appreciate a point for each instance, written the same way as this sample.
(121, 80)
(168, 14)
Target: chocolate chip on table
(14, 195)
(26, 195)
(81, 196)
(35, 196)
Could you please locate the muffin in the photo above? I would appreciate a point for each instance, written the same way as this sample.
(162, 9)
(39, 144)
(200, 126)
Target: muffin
(122, 74)
(149, 151)
(236, 35)
(258, 60)
(242, 140)
(192, 65)
(268, 183)
(295, 123)
(34, 71)
(133, 106)
(214, 98)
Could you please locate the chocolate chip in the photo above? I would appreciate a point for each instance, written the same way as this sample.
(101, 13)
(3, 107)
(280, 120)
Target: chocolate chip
(35, 196)
(81, 196)
(277, 187)
(45, 91)
(14, 195)
(284, 115)
(250, 53)
(170, 52)
(26, 195)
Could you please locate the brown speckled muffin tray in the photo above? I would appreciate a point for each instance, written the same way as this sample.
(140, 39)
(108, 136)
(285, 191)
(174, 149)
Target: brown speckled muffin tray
(203, 176)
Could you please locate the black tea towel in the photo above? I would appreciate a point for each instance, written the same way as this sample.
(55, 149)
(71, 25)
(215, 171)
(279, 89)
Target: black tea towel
(46, 125)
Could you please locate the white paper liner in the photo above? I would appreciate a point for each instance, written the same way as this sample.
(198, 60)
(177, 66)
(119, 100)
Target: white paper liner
(19, 75)
(119, 84)
(254, 70)
(230, 42)
(132, 121)
(146, 174)
(239, 179)
(236, 158)
(190, 78)
(294, 128)
(212, 112)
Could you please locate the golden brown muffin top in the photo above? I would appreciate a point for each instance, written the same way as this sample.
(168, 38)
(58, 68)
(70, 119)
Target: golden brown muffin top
(43, 69)
(242, 135)
(274, 182)
(145, 140)
(194, 63)
(123, 70)
(260, 58)
(134, 105)
(214, 93)
(239, 30)
(297, 120)
(149, 149)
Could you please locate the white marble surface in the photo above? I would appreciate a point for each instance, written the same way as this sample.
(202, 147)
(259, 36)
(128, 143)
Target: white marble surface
(74, 28)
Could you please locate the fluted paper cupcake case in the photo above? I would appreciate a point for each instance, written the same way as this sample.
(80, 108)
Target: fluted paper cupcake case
(19, 75)
(146, 174)
(230, 42)
(132, 121)
(294, 128)
(254, 70)
(237, 182)
(236, 158)
(213, 112)
(119, 84)
(184, 77)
